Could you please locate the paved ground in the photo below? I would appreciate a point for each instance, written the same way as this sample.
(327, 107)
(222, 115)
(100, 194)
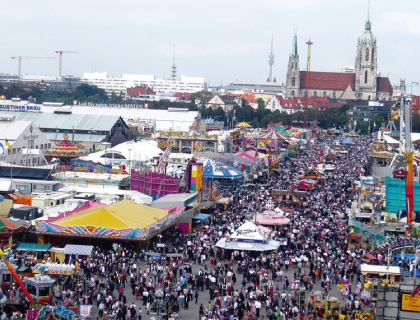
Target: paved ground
(193, 311)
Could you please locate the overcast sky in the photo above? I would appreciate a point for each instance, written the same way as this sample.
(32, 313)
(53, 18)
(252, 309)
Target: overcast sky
(222, 41)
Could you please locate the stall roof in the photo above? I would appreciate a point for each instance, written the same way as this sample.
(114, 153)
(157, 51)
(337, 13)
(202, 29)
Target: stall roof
(201, 216)
(370, 256)
(272, 245)
(81, 250)
(175, 199)
(381, 270)
(36, 247)
(121, 215)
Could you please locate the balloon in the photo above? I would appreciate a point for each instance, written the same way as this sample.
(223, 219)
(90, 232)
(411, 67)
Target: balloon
(366, 285)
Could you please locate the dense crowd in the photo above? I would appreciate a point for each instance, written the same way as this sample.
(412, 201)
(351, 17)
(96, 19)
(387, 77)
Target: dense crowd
(241, 284)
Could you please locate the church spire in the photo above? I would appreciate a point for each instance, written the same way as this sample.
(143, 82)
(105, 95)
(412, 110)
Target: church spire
(367, 24)
(294, 47)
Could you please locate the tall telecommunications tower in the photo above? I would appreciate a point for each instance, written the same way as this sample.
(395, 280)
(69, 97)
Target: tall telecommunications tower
(173, 68)
(271, 61)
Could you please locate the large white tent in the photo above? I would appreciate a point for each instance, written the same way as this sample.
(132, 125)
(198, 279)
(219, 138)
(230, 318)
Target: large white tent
(248, 237)
(124, 152)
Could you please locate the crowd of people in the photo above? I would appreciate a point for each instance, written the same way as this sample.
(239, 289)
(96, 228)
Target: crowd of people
(314, 256)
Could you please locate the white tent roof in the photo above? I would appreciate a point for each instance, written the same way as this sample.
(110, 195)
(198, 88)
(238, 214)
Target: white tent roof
(249, 231)
(380, 270)
(390, 140)
(140, 151)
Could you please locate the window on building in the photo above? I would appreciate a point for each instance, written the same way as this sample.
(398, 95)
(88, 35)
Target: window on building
(367, 56)
(315, 94)
(22, 188)
(324, 94)
(293, 81)
(295, 65)
(333, 94)
(369, 97)
(366, 76)
(293, 93)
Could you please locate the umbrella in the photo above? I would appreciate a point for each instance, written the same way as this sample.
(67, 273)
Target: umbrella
(243, 125)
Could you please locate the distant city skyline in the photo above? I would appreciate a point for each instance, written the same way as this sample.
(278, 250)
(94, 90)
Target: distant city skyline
(220, 41)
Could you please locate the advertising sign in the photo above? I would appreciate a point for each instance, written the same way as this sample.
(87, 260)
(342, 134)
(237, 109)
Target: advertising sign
(85, 310)
(409, 303)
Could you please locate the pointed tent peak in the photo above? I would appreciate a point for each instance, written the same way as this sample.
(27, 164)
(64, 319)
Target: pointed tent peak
(268, 79)
(275, 80)
(294, 47)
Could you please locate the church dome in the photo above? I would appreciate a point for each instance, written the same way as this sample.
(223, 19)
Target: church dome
(367, 37)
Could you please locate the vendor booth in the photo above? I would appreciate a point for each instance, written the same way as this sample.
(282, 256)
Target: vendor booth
(124, 220)
(248, 237)
(374, 272)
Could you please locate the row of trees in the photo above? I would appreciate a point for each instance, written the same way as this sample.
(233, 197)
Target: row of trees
(258, 118)
(83, 93)
(261, 117)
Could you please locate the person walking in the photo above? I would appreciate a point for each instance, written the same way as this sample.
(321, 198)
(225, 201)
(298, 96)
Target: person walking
(196, 296)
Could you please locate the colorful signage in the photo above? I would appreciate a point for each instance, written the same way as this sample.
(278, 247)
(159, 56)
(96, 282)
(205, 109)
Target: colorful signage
(409, 303)
(197, 177)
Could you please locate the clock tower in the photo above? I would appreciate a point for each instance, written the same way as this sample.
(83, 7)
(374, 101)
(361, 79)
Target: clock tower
(366, 66)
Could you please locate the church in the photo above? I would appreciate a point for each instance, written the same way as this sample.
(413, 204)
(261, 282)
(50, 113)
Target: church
(363, 84)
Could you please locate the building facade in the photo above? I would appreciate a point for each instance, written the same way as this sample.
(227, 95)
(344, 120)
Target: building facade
(120, 85)
(227, 103)
(362, 84)
(364, 110)
(26, 141)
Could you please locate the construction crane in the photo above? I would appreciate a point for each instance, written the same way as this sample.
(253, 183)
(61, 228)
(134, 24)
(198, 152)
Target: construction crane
(20, 61)
(61, 59)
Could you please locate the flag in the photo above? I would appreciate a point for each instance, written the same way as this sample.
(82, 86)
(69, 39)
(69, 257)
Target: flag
(1, 145)
(374, 126)
(8, 145)
(72, 138)
(362, 171)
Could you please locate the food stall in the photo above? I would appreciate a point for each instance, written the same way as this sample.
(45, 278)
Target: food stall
(375, 272)
(40, 288)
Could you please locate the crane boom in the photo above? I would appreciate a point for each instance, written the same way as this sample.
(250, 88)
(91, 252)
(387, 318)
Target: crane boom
(25, 57)
(60, 63)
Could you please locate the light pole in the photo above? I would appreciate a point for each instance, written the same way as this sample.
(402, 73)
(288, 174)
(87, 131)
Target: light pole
(411, 94)
(129, 160)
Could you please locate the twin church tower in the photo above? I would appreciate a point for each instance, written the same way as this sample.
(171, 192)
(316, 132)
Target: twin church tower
(362, 84)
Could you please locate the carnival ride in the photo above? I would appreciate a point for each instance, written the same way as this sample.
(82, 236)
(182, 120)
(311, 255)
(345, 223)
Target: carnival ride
(327, 309)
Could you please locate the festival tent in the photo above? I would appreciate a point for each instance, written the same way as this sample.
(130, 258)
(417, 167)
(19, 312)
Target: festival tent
(233, 160)
(248, 237)
(122, 220)
(137, 151)
(119, 215)
(211, 169)
(274, 136)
